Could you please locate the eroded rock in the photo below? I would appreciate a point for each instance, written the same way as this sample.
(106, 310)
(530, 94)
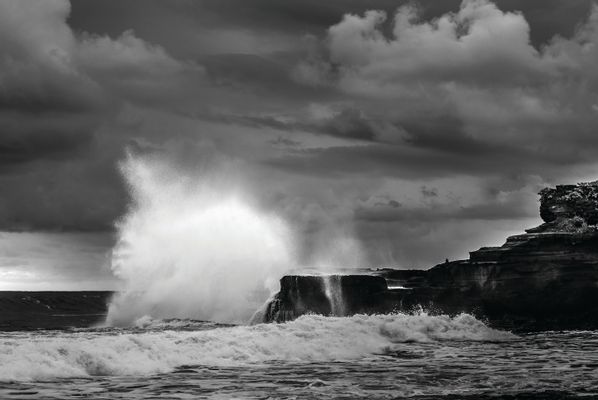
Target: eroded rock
(546, 278)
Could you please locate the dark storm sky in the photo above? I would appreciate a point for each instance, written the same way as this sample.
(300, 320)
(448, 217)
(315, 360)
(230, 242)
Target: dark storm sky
(422, 131)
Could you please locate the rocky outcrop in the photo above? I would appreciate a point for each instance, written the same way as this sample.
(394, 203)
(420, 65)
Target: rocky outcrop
(337, 295)
(546, 278)
(569, 207)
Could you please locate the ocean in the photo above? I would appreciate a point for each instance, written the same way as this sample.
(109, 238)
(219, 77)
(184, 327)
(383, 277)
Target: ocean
(391, 356)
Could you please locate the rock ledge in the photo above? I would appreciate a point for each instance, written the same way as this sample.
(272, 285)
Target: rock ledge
(545, 279)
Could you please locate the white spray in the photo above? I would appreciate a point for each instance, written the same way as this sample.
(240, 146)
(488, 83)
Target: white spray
(334, 292)
(194, 248)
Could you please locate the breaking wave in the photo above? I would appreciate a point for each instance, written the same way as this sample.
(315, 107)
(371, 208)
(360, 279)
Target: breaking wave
(310, 338)
(194, 247)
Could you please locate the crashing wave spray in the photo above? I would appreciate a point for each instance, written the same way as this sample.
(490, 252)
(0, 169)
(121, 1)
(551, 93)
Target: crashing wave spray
(310, 338)
(193, 248)
(333, 289)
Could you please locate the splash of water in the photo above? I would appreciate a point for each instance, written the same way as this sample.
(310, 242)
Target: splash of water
(333, 289)
(193, 247)
(44, 356)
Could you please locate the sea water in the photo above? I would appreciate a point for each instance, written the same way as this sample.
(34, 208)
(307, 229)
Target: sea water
(196, 247)
(378, 356)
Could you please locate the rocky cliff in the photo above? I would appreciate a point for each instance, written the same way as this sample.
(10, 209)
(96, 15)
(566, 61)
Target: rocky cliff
(546, 278)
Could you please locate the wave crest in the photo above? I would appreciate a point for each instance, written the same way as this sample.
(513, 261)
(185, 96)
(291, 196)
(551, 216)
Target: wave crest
(310, 338)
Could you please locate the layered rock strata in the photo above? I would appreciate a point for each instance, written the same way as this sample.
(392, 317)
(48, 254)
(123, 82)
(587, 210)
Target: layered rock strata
(546, 278)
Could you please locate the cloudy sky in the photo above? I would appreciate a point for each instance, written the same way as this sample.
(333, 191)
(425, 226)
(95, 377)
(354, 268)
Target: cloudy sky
(418, 130)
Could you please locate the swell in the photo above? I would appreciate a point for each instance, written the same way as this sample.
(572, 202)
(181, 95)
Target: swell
(51, 310)
(310, 338)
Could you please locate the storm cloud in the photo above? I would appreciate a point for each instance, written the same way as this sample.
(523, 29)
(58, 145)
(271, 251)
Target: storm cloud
(413, 131)
(57, 90)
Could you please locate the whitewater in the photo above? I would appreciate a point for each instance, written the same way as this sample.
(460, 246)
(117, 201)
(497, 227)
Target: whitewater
(362, 356)
(197, 256)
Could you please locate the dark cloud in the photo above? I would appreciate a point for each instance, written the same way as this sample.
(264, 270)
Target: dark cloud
(349, 119)
(265, 78)
(57, 168)
(429, 192)
(413, 162)
(440, 213)
(24, 144)
(166, 22)
(73, 192)
(350, 123)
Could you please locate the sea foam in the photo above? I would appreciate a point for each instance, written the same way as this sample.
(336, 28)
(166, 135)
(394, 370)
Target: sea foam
(311, 338)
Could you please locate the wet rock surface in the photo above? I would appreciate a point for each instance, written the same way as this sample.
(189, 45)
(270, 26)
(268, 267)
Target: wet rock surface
(334, 295)
(545, 279)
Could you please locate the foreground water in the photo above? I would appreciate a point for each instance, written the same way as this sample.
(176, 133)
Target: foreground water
(386, 356)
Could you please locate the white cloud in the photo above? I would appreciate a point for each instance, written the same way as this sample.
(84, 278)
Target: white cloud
(126, 54)
(476, 64)
(43, 60)
(478, 44)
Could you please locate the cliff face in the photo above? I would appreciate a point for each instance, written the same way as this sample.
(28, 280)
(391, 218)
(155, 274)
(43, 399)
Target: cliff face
(539, 281)
(546, 278)
(334, 295)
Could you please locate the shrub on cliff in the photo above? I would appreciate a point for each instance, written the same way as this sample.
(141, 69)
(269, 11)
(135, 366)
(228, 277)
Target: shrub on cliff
(570, 201)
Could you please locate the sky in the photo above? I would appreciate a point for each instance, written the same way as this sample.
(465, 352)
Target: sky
(414, 130)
